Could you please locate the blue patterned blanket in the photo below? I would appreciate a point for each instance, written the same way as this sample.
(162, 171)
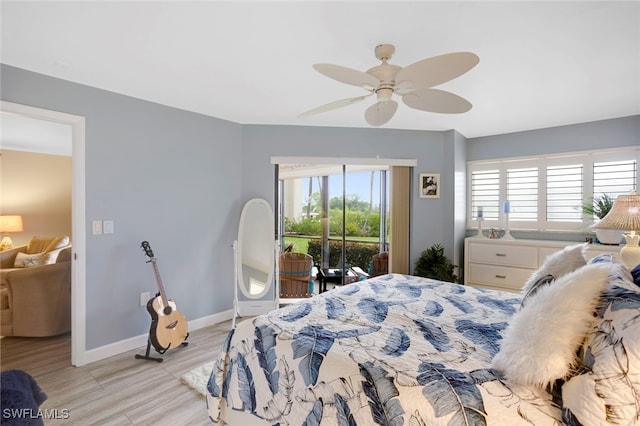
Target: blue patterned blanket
(392, 350)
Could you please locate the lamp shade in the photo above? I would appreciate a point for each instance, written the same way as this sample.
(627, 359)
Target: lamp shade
(10, 223)
(624, 215)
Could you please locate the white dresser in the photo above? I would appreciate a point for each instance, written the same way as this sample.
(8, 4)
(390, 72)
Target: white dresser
(507, 264)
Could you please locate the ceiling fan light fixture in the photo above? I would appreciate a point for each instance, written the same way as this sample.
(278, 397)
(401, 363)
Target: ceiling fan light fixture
(384, 94)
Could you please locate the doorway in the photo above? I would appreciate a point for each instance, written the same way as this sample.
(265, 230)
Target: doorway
(78, 268)
(325, 212)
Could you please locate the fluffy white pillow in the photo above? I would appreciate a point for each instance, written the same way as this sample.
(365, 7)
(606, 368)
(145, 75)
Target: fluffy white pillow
(555, 265)
(24, 260)
(541, 341)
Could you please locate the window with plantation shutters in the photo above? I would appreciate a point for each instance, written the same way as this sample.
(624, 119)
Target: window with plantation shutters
(546, 193)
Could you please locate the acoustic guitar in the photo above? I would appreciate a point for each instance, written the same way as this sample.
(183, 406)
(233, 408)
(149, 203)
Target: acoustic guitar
(168, 326)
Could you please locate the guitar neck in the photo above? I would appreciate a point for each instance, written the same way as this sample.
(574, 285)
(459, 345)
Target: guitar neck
(156, 271)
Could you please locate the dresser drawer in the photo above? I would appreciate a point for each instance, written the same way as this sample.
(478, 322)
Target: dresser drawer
(497, 254)
(502, 277)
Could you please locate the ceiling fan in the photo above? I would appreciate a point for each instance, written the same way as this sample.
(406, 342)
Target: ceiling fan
(413, 82)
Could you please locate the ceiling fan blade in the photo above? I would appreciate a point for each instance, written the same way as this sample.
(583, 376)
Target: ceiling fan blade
(348, 75)
(434, 71)
(434, 100)
(380, 112)
(333, 105)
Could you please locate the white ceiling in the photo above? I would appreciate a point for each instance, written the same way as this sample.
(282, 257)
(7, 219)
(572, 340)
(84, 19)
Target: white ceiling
(542, 64)
(22, 133)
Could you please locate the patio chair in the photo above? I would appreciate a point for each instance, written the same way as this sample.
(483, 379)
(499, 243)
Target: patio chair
(295, 275)
(379, 264)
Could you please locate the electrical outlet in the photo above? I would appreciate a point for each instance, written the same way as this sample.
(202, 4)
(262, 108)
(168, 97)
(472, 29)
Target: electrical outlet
(144, 298)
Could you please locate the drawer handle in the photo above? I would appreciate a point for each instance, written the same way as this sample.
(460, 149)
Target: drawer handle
(501, 254)
(501, 276)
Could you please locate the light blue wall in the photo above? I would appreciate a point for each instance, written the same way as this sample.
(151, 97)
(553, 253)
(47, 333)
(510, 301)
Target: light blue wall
(179, 180)
(163, 175)
(429, 225)
(618, 132)
(456, 201)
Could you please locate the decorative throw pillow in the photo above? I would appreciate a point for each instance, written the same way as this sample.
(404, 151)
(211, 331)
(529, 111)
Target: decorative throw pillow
(57, 243)
(555, 265)
(49, 246)
(607, 393)
(45, 244)
(542, 339)
(602, 258)
(38, 244)
(53, 250)
(24, 260)
(622, 275)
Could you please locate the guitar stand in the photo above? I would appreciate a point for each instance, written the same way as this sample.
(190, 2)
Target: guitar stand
(150, 358)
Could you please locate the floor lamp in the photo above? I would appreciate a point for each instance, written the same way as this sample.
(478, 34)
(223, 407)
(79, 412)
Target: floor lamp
(625, 215)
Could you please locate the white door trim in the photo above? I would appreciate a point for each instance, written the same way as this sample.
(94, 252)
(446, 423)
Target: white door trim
(351, 161)
(78, 269)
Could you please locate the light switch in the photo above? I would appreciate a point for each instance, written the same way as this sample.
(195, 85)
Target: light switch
(107, 227)
(96, 227)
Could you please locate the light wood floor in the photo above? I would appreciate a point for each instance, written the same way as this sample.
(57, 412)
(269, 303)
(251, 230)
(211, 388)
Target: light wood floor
(120, 390)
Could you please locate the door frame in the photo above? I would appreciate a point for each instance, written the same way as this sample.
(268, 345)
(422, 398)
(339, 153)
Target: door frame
(333, 161)
(78, 201)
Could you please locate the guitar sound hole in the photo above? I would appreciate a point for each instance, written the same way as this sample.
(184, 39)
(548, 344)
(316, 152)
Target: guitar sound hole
(167, 310)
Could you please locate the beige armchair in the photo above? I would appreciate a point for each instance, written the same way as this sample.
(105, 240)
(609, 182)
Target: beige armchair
(35, 301)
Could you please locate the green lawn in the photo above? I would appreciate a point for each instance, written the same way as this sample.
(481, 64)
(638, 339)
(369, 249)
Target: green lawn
(301, 244)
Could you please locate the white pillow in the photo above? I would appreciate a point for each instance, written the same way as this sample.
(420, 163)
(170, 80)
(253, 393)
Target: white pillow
(554, 266)
(24, 260)
(541, 341)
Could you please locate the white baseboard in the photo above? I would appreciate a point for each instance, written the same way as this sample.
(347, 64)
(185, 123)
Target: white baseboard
(140, 341)
(251, 308)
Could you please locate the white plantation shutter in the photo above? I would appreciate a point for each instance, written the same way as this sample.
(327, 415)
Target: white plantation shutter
(485, 193)
(614, 178)
(564, 193)
(522, 192)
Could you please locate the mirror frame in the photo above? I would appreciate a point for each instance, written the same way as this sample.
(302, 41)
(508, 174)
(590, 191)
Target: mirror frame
(270, 229)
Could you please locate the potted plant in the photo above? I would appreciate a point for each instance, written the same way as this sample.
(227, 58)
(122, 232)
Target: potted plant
(599, 207)
(432, 263)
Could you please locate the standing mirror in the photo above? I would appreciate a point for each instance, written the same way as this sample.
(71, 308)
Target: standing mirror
(254, 260)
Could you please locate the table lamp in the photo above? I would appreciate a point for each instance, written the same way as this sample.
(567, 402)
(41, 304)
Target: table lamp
(12, 223)
(625, 215)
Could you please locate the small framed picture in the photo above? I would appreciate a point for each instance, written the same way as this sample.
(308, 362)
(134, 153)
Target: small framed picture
(429, 185)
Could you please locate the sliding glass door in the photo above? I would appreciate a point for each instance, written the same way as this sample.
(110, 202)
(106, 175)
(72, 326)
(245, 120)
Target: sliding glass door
(336, 213)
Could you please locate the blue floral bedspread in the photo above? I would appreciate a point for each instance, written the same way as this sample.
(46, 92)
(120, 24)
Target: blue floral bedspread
(391, 350)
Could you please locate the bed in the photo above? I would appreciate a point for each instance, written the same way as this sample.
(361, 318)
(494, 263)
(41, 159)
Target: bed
(404, 350)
